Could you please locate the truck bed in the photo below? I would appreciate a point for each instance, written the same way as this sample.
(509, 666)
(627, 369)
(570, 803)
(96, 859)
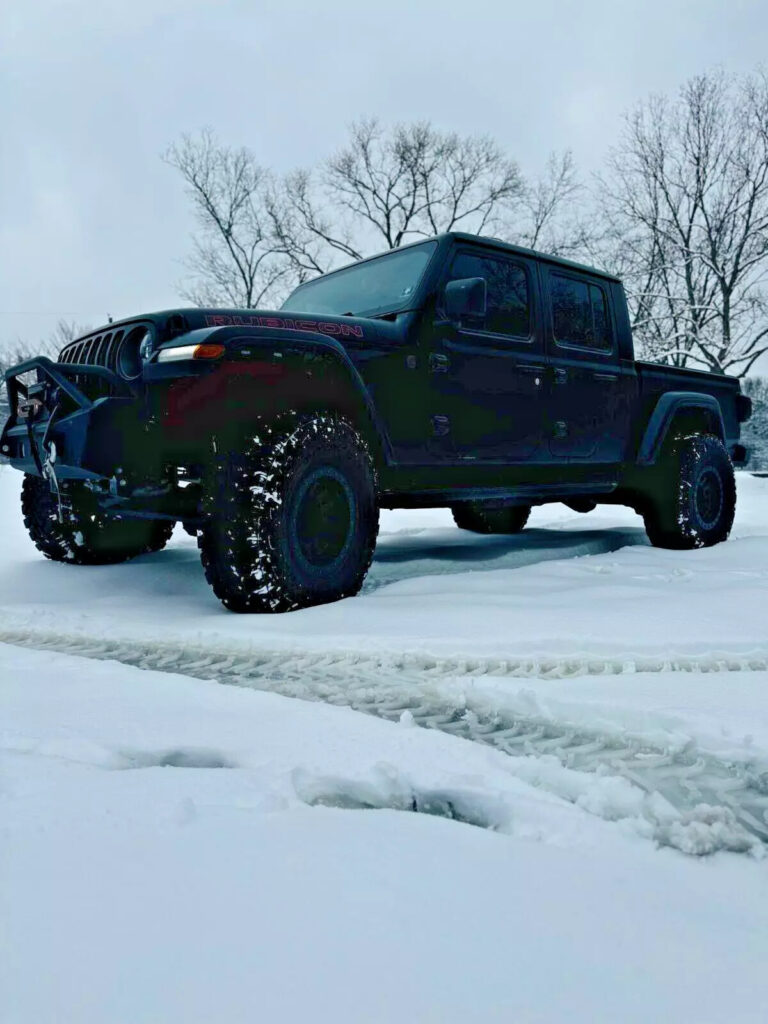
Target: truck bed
(655, 380)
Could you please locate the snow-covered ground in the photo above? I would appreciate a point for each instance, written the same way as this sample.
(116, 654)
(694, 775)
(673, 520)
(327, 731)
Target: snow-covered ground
(437, 590)
(175, 849)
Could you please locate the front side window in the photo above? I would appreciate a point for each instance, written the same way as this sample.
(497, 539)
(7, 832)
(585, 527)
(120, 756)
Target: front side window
(579, 313)
(508, 308)
(382, 285)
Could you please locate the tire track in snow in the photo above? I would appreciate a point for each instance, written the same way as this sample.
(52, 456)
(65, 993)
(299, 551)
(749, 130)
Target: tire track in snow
(687, 798)
(302, 664)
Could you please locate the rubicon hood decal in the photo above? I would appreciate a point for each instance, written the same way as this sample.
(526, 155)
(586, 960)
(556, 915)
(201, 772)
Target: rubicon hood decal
(286, 324)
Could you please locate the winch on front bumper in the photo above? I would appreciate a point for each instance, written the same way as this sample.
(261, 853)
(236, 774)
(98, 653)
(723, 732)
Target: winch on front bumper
(81, 422)
(54, 421)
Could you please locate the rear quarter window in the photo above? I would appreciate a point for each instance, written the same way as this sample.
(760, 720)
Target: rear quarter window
(580, 313)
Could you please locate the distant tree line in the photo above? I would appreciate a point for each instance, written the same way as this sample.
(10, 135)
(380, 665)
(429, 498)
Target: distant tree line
(754, 432)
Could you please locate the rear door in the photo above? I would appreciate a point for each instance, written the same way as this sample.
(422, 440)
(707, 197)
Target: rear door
(487, 377)
(588, 397)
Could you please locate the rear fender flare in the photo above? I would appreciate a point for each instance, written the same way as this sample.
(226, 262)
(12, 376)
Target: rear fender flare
(663, 416)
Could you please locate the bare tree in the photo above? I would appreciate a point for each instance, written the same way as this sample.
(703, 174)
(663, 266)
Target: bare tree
(18, 351)
(754, 433)
(306, 228)
(685, 202)
(547, 215)
(235, 260)
(261, 234)
(64, 332)
(387, 187)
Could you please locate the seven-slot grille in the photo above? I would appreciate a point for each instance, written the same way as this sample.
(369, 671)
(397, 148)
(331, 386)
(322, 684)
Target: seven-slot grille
(116, 350)
(97, 350)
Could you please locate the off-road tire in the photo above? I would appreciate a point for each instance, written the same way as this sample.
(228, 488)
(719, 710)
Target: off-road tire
(291, 517)
(471, 516)
(692, 496)
(84, 535)
(159, 533)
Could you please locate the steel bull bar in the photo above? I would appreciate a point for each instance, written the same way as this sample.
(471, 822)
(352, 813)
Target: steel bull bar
(54, 406)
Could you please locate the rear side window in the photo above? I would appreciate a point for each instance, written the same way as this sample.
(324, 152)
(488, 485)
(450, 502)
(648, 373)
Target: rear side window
(601, 318)
(580, 313)
(509, 306)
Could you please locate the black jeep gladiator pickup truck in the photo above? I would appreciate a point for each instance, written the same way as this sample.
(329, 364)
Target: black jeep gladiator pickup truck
(458, 371)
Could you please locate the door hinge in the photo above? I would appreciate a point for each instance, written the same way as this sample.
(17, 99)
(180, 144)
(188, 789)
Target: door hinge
(441, 426)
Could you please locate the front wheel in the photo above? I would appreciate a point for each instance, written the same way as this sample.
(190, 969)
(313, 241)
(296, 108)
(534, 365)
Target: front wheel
(291, 519)
(692, 501)
(77, 531)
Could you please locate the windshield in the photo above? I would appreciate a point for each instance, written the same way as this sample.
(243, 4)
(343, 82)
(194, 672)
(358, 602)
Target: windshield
(382, 285)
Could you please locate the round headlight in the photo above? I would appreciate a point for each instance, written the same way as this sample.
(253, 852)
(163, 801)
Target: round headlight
(130, 356)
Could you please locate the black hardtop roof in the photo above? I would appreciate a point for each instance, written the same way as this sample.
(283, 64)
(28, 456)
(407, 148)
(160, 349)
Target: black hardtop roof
(195, 314)
(484, 241)
(499, 243)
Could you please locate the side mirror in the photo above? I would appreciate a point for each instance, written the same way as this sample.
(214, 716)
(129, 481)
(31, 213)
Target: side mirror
(466, 297)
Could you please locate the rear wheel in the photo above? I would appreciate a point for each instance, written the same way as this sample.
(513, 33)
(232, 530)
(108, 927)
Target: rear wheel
(82, 534)
(472, 516)
(292, 518)
(692, 501)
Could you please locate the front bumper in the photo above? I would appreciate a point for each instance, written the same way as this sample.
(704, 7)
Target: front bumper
(80, 422)
(53, 421)
(103, 433)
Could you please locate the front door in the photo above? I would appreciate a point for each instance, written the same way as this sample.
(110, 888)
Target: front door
(486, 378)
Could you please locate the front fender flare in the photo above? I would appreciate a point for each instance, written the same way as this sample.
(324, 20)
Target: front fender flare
(302, 344)
(357, 384)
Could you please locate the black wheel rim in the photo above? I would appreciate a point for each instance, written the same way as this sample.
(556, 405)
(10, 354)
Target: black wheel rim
(708, 497)
(324, 519)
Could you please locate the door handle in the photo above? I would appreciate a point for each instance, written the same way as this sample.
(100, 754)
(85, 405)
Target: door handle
(606, 376)
(441, 426)
(531, 369)
(438, 362)
(561, 376)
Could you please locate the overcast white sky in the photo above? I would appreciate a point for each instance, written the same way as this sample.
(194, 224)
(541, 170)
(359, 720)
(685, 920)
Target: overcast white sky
(92, 222)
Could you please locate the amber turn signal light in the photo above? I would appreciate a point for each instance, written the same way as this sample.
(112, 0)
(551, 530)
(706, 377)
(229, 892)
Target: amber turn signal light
(208, 351)
(204, 351)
